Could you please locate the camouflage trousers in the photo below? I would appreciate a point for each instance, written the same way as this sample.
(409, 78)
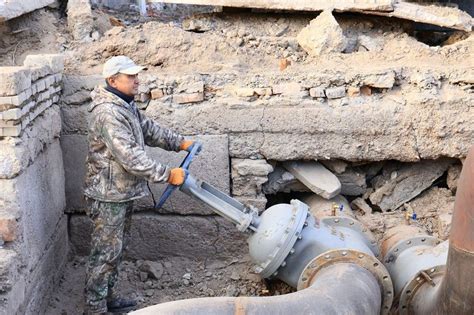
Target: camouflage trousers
(111, 229)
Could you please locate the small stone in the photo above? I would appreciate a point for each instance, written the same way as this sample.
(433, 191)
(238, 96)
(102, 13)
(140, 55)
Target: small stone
(323, 35)
(167, 264)
(231, 290)
(149, 292)
(335, 92)
(187, 276)
(153, 269)
(353, 91)
(283, 63)
(143, 276)
(186, 282)
(208, 274)
(366, 90)
(317, 92)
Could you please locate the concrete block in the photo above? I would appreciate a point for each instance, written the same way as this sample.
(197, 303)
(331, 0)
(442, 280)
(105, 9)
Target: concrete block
(316, 177)
(317, 92)
(211, 165)
(188, 98)
(14, 131)
(244, 167)
(74, 148)
(288, 88)
(323, 35)
(49, 80)
(12, 9)
(157, 93)
(14, 80)
(154, 236)
(41, 199)
(335, 92)
(54, 61)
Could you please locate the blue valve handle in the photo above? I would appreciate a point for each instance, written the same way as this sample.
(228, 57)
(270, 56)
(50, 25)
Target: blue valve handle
(184, 165)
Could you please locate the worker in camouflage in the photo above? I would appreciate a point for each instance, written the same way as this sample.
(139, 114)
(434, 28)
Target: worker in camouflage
(118, 169)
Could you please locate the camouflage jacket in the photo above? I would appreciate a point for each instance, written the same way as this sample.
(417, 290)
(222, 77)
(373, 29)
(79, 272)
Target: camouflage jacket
(117, 164)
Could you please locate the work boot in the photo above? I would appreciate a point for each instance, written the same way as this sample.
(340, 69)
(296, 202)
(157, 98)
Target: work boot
(97, 308)
(119, 305)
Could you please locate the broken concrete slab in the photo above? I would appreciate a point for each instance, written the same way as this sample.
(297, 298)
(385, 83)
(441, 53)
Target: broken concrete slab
(321, 207)
(12, 9)
(430, 14)
(361, 204)
(323, 35)
(316, 177)
(300, 5)
(80, 20)
(403, 182)
(280, 180)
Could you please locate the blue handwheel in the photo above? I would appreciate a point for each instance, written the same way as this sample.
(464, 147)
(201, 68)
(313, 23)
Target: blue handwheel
(184, 165)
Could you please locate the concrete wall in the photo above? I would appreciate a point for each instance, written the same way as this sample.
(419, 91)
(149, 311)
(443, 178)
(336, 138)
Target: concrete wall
(248, 122)
(32, 202)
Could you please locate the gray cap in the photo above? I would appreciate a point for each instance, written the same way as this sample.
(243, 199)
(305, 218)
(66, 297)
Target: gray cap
(120, 64)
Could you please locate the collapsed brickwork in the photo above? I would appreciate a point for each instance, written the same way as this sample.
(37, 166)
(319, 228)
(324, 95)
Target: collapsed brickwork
(32, 201)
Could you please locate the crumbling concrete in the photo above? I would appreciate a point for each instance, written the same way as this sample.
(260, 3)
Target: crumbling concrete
(12, 9)
(316, 177)
(323, 35)
(393, 189)
(80, 19)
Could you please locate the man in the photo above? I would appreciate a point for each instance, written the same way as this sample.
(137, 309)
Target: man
(118, 169)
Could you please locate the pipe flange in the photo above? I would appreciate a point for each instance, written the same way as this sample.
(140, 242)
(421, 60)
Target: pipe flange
(409, 291)
(364, 260)
(292, 233)
(354, 225)
(398, 248)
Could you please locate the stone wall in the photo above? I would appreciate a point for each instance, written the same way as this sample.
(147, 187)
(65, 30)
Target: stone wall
(32, 201)
(249, 122)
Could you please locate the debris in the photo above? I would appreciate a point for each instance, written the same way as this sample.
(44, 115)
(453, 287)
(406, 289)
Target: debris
(361, 204)
(280, 180)
(198, 23)
(187, 276)
(454, 171)
(317, 92)
(116, 22)
(406, 182)
(335, 92)
(283, 64)
(316, 177)
(153, 268)
(353, 183)
(370, 43)
(323, 35)
(430, 14)
(143, 276)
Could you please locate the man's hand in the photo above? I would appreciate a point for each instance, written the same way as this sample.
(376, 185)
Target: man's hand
(188, 145)
(177, 176)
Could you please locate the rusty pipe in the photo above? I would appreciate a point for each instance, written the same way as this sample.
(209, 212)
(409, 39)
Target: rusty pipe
(457, 294)
(342, 288)
(426, 279)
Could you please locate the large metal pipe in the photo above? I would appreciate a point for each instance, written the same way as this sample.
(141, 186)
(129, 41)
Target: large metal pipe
(437, 279)
(342, 288)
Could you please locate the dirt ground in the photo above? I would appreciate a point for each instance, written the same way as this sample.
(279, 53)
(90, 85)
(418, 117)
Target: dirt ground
(181, 278)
